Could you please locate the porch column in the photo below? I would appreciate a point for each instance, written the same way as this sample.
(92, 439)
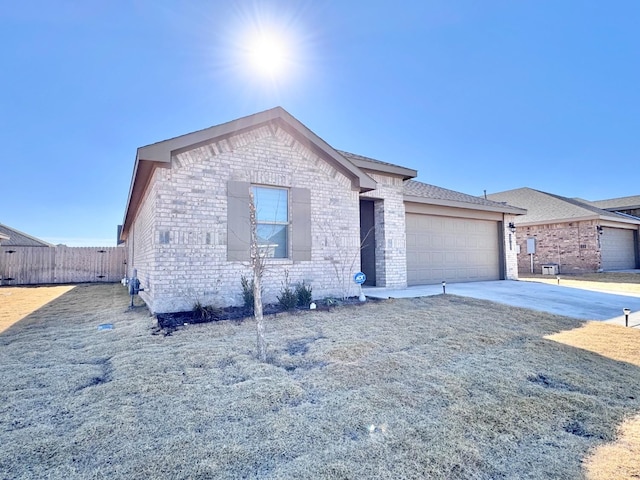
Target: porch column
(391, 247)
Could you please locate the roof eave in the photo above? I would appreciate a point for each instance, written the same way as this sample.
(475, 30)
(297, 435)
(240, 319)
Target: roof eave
(630, 219)
(142, 173)
(471, 206)
(603, 218)
(618, 208)
(405, 173)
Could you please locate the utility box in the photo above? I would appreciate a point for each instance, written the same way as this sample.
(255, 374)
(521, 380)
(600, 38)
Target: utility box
(531, 246)
(550, 269)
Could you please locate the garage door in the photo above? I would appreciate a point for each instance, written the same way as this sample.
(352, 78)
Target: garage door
(618, 249)
(452, 249)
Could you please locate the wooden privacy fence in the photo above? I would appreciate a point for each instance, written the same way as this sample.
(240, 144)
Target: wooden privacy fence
(41, 265)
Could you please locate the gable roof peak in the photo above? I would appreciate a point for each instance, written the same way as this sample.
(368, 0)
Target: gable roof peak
(159, 154)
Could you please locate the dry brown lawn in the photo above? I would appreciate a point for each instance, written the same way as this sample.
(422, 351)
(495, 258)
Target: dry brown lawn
(18, 302)
(618, 282)
(436, 387)
(620, 459)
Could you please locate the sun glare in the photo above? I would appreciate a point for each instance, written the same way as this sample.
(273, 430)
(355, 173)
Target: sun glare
(268, 54)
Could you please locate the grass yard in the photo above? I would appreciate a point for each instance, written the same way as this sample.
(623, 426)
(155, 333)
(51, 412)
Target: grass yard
(18, 302)
(436, 387)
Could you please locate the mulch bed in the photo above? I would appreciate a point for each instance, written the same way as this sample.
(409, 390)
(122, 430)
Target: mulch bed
(171, 321)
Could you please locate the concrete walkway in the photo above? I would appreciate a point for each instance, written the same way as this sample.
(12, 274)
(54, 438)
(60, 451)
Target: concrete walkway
(567, 301)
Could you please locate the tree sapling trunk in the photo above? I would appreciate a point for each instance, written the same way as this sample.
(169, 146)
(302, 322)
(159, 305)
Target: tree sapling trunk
(257, 267)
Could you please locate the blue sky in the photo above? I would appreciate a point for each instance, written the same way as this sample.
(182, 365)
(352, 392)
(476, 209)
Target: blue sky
(475, 95)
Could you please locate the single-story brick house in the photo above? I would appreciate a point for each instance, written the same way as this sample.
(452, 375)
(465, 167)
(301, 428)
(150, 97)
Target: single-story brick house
(571, 233)
(322, 215)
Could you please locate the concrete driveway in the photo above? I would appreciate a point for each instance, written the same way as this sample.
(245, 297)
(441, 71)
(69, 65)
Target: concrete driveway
(567, 301)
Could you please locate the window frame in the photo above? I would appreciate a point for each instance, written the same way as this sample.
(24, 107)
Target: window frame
(287, 224)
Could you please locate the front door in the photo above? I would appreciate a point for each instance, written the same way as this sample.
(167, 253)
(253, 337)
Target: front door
(368, 241)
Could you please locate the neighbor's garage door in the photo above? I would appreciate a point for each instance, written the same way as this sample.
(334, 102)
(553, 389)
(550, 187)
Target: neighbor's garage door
(618, 249)
(451, 249)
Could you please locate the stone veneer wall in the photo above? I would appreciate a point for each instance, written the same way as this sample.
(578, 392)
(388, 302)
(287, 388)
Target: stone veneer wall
(390, 229)
(574, 246)
(187, 260)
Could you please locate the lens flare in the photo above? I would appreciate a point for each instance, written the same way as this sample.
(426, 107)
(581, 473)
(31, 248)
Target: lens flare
(268, 54)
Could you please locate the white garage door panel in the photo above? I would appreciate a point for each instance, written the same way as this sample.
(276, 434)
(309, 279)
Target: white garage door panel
(452, 249)
(618, 249)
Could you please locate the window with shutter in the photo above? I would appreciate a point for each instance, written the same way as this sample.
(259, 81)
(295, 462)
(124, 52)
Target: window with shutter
(283, 221)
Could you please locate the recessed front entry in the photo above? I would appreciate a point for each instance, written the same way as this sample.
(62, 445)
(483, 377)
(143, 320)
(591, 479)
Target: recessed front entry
(368, 241)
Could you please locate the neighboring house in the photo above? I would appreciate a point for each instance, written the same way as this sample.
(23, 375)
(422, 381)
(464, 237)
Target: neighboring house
(322, 215)
(10, 237)
(571, 233)
(14, 264)
(626, 205)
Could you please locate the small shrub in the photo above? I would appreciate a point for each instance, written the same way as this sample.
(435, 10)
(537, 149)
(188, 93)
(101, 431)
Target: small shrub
(287, 298)
(199, 310)
(332, 302)
(247, 292)
(205, 313)
(303, 294)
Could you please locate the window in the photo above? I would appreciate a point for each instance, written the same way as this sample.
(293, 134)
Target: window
(284, 218)
(272, 218)
(164, 237)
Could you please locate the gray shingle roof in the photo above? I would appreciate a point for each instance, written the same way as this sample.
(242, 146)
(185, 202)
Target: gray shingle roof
(20, 239)
(373, 164)
(621, 203)
(355, 156)
(413, 188)
(545, 207)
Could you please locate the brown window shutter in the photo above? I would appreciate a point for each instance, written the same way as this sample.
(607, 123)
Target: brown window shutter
(300, 224)
(238, 226)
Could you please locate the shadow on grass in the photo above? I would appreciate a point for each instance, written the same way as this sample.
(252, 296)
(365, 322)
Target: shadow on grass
(47, 308)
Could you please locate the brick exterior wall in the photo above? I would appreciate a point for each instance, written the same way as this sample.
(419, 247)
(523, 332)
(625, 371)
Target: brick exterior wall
(574, 246)
(178, 241)
(510, 249)
(141, 252)
(390, 229)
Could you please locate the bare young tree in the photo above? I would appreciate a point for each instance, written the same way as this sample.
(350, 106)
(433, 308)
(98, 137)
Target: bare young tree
(257, 267)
